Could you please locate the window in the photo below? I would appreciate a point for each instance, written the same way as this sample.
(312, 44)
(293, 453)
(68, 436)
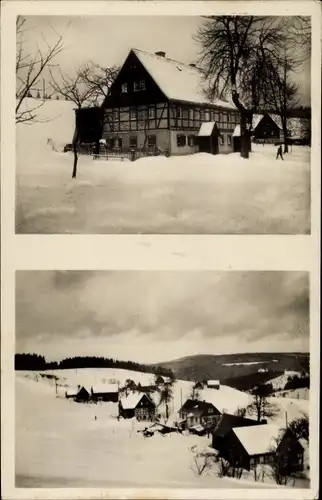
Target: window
(152, 141)
(190, 114)
(222, 140)
(197, 114)
(207, 116)
(191, 140)
(136, 86)
(115, 114)
(142, 85)
(228, 117)
(133, 141)
(181, 140)
(124, 88)
(133, 114)
(221, 117)
(151, 112)
(229, 140)
(179, 112)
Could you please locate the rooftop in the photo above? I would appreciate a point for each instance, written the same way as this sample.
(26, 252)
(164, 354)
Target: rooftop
(258, 439)
(178, 81)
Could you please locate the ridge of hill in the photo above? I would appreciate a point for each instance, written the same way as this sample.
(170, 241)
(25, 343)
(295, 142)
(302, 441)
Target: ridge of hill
(228, 367)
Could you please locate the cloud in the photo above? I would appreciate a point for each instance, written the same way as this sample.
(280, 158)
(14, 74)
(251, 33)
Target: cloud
(196, 309)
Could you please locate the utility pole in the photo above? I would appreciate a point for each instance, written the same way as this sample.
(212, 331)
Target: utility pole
(286, 423)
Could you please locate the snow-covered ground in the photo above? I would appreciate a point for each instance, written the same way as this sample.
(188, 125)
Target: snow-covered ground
(279, 382)
(60, 443)
(188, 194)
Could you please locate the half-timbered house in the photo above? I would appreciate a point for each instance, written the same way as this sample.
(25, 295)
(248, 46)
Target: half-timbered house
(159, 105)
(137, 405)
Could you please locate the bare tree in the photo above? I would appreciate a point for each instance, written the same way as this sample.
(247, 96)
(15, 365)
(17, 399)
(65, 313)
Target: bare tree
(166, 398)
(72, 88)
(98, 80)
(30, 67)
(283, 91)
(233, 58)
(261, 407)
(300, 427)
(202, 462)
(278, 469)
(241, 411)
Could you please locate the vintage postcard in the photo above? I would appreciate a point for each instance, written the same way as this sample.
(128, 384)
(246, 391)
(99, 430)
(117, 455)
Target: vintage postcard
(160, 228)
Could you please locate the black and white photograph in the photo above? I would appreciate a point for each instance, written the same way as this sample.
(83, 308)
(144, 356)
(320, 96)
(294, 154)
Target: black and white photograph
(163, 124)
(163, 379)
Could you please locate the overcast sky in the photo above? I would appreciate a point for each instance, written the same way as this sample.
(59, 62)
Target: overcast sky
(107, 40)
(156, 316)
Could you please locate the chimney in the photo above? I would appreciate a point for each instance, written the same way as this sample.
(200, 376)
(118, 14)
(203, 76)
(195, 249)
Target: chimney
(160, 53)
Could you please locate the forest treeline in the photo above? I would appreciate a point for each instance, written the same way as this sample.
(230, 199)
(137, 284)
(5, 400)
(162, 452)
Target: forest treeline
(36, 362)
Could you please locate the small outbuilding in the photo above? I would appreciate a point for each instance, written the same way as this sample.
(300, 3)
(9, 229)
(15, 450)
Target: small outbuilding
(79, 394)
(105, 392)
(213, 384)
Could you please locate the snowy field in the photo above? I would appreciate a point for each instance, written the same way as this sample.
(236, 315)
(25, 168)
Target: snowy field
(198, 194)
(59, 443)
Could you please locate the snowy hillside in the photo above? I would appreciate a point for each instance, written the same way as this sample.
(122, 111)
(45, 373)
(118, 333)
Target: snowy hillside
(279, 382)
(61, 443)
(194, 194)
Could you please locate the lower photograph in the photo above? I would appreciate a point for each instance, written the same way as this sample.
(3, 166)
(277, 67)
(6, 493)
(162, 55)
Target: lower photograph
(162, 379)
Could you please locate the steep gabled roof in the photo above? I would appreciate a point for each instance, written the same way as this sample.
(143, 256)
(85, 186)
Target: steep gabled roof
(228, 422)
(131, 401)
(176, 80)
(258, 439)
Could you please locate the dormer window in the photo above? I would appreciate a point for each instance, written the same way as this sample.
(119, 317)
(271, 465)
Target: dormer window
(124, 88)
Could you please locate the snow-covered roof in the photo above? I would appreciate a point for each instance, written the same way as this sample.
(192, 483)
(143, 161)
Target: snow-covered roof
(213, 382)
(236, 132)
(131, 401)
(206, 129)
(198, 428)
(105, 388)
(258, 439)
(177, 81)
(256, 120)
(72, 391)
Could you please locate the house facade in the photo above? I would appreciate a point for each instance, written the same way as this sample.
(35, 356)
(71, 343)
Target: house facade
(194, 413)
(157, 104)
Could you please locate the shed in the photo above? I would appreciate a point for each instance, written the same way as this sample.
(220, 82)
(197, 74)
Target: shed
(207, 138)
(213, 384)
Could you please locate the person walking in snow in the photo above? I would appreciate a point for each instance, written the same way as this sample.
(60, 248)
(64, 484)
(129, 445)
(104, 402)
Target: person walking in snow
(279, 152)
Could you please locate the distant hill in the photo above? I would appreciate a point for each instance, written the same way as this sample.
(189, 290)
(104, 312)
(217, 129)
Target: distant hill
(228, 367)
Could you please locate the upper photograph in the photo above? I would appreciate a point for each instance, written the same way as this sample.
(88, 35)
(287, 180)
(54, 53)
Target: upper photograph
(163, 125)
